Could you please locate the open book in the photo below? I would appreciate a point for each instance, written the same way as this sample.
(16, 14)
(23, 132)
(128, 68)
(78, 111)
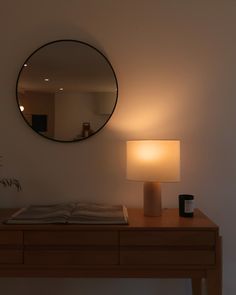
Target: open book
(73, 213)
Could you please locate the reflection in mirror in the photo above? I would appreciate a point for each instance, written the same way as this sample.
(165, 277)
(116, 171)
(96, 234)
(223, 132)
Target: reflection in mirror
(67, 90)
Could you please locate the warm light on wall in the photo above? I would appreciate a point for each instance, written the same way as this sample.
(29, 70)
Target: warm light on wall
(153, 161)
(160, 108)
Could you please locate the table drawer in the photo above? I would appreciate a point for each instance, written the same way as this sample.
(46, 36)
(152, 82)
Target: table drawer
(167, 238)
(78, 256)
(150, 256)
(11, 238)
(72, 238)
(11, 245)
(12, 256)
(71, 247)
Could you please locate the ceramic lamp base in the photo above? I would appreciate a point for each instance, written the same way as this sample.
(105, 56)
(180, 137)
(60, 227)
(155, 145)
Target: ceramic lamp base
(152, 199)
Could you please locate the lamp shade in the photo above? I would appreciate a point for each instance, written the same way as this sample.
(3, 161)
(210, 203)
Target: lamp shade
(153, 160)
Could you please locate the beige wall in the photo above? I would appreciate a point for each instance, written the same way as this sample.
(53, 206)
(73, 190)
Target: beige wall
(176, 68)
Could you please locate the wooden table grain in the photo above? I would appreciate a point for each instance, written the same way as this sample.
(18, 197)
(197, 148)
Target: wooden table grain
(168, 246)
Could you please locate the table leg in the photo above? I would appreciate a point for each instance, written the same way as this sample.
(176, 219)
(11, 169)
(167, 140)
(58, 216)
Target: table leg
(214, 276)
(196, 286)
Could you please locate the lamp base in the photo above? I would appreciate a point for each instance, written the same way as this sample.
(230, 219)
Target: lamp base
(152, 199)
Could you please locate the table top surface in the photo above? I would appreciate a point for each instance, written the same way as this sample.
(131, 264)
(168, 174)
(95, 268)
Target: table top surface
(169, 220)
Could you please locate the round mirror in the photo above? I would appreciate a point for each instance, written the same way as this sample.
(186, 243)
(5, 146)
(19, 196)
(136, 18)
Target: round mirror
(66, 90)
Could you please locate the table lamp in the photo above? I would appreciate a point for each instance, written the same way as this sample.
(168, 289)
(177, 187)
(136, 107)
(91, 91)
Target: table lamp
(153, 162)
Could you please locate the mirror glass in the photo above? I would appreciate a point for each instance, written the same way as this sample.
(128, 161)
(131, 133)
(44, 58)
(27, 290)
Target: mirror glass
(67, 90)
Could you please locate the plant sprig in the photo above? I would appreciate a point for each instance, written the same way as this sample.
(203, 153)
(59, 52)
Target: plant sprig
(8, 182)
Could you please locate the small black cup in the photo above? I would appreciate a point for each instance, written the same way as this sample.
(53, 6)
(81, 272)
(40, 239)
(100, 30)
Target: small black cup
(186, 205)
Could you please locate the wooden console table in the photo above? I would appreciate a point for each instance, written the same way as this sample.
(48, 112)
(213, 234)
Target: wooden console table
(153, 247)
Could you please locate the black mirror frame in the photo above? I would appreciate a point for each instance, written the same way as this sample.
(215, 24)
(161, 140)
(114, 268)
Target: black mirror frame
(116, 81)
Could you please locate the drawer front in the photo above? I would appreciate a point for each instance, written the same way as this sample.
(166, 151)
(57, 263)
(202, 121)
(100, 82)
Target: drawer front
(167, 238)
(11, 256)
(72, 238)
(71, 247)
(150, 256)
(94, 256)
(11, 238)
(11, 245)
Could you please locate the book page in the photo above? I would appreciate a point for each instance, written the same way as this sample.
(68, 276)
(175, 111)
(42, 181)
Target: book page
(58, 213)
(98, 214)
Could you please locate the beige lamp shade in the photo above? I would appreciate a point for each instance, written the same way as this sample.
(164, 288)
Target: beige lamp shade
(153, 160)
